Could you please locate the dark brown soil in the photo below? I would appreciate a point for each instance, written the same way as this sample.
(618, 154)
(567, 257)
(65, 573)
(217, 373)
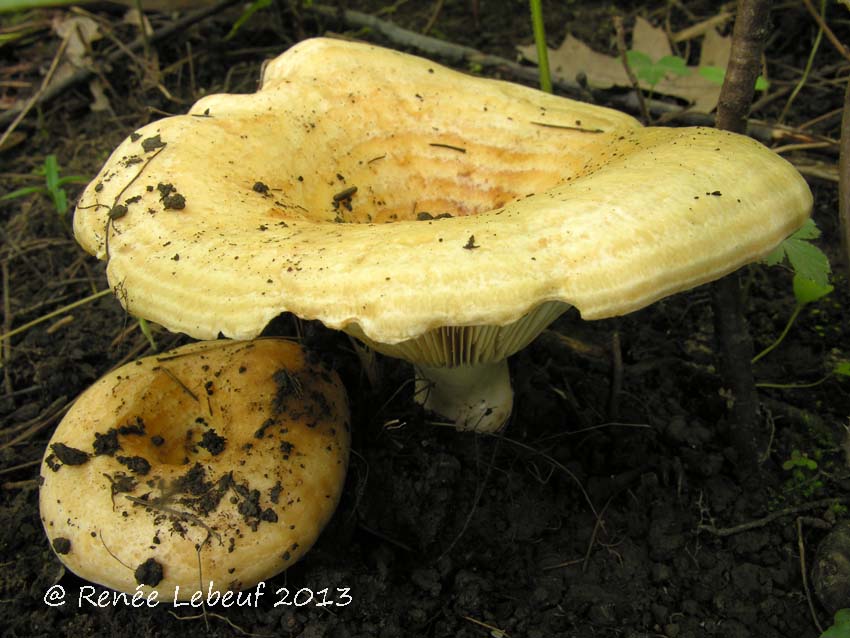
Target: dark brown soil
(582, 520)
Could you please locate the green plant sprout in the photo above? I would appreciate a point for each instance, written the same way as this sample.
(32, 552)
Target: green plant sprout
(803, 470)
(716, 75)
(840, 627)
(145, 328)
(540, 43)
(806, 291)
(653, 72)
(800, 460)
(811, 276)
(806, 259)
(53, 185)
(252, 8)
(249, 11)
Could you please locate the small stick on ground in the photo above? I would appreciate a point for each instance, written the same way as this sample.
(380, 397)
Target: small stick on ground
(767, 520)
(220, 617)
(616, 377)
(187, 517)
(47, 417)
(435, 14)
(844, 180)
(621, 49)
(38, 95)
(20, 466)
(596, 527)
(55, 313)
(479, 492)
(7, 327)
(801, 547)
(81, 75)
(826, 30)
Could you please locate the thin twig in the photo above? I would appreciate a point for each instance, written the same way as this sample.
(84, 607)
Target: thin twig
(804, 573)
(220, 617)
(557, 464)
(182, 385)
(844, 179)
(701, 28)
(53, 314)
(20, 485)
(818, 171)
(766, 520)
(81, 75)
(19, 466)
(807, 146)
(621, 49)
(479, 492)
(616, 377)
(188, 517)
(38, 95)
(7, 326)
(435, 14)
(41, 423)
(808, 68)
(826, 30)
(596, 527)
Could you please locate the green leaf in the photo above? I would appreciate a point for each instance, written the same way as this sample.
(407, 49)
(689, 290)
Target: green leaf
(808, 230)
(842, 368)
(60, 201)
(73, 179)
(799, 460)
(808, 261)
(716, 75)
(249, 11)
(638, 59)
(713, 74)
(805, 258)
(22, 192)
(841, 628)
(145, 327)
(51, 172)
(775, 256)
(807, 291)
(673, 64)
(644, 68)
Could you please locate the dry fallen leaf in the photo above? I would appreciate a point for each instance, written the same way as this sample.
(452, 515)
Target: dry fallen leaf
(604, 71)
(79, 32)
(137, 19)
(99, 100)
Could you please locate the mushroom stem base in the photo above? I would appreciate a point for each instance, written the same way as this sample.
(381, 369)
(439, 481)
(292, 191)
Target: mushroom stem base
(477, 398)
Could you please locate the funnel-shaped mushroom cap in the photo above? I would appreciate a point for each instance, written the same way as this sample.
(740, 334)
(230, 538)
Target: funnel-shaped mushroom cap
(391, 197)
(218, 462)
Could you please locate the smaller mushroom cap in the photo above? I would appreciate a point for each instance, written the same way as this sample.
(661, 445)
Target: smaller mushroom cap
(214, 465)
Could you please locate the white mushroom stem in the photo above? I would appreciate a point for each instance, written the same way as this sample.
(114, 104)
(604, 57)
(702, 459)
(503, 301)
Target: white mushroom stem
(477, 397)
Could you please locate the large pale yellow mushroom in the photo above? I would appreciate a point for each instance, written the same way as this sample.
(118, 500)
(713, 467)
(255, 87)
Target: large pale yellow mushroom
(211, 467)
(438, 217)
